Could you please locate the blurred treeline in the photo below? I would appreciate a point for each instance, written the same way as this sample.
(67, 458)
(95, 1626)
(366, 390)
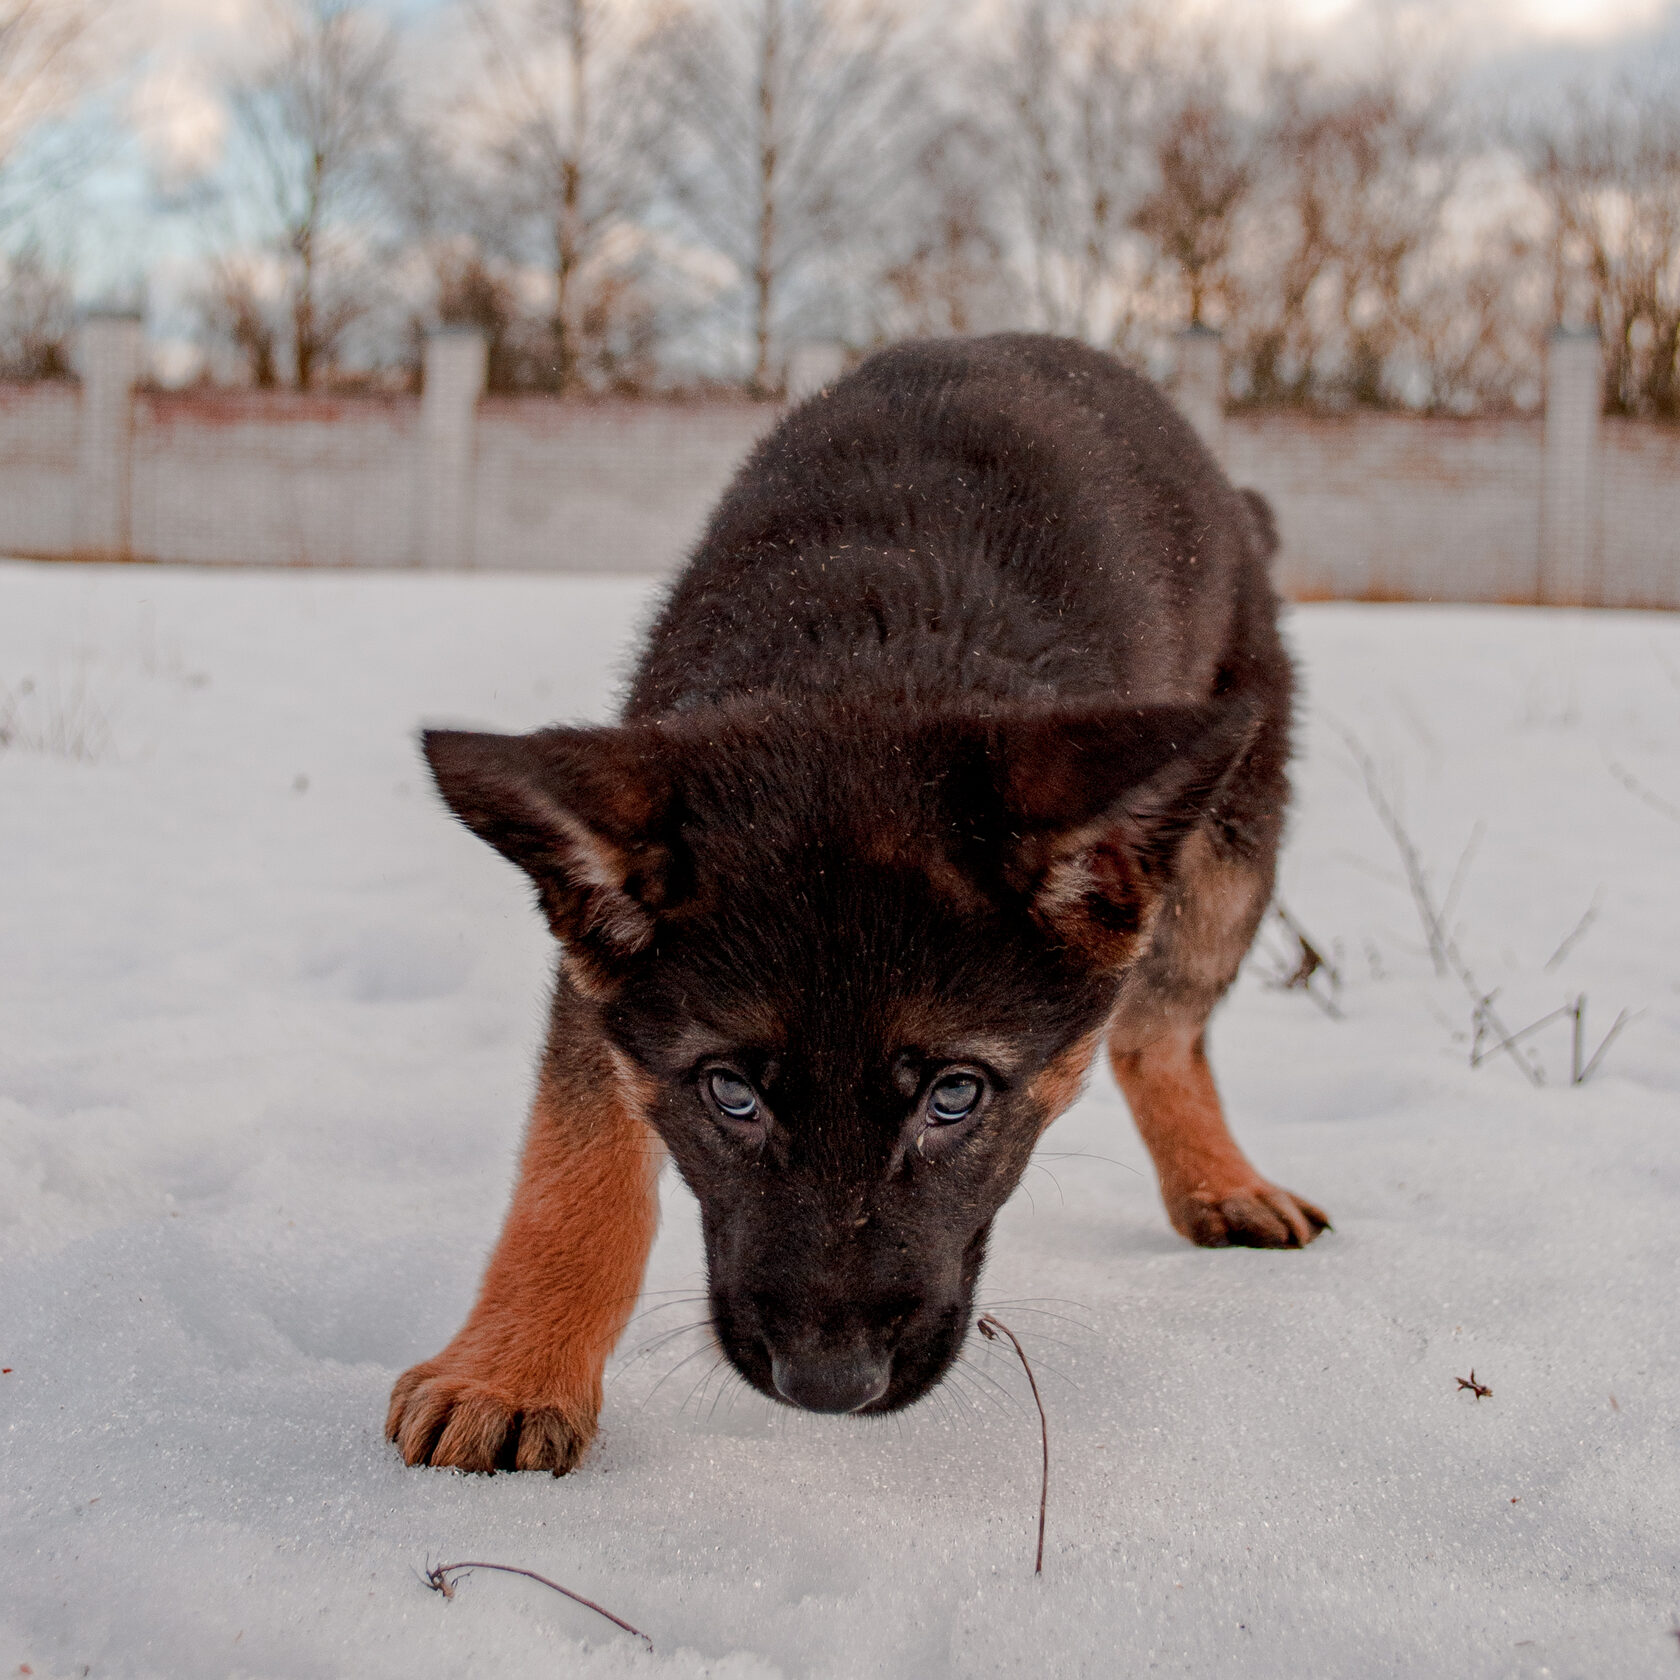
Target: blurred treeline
(675, 194)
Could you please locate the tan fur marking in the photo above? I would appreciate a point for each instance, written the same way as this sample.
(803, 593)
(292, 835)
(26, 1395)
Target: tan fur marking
(1215, 909)
(1058, 1084)
(756, 1023)
(559, 1287)
(953, 885)
(889, 848)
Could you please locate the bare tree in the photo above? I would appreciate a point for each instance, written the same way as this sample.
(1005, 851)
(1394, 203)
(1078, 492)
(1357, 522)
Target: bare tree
(948, 269)
(1351, 180)
(1071, 90)
(241, 305)
(1203, 157)
(1609, 170)
(43, 69)
(1475, 323)
(309, 125)
(781, 141)
(559, 105)
(36, 318)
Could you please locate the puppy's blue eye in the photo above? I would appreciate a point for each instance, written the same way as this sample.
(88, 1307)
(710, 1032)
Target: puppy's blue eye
(954, 1098)
(733, 1094)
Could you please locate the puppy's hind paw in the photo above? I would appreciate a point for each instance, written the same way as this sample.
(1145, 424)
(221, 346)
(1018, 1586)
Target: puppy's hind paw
(1258, 1215)
(458, 1422)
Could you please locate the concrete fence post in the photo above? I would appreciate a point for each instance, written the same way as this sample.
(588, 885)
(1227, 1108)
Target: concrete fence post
(111, 352)
(1571, 493)
(1200, 391)
(456, 362)
(812, 366)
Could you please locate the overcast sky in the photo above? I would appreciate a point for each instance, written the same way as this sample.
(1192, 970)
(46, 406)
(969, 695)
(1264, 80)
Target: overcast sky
(184, 42)
(173, 53)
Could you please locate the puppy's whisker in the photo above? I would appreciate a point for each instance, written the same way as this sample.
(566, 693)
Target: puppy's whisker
(1039, 1165)
(1040, 1339)
(1085, 1155)
(954, 1406)
(1038, 1365)
(1029, 1306)
(986, 1376)
(731, 1386)
(954, 1391)
(645, 1349)
(667, 1306)
(698, 1353)
(700, 1386)
(734, 1385)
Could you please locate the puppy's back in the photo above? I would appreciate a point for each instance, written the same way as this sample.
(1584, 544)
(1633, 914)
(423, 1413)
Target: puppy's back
(1012, 517)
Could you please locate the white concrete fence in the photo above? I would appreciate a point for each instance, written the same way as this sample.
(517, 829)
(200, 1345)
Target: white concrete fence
(1568, 509)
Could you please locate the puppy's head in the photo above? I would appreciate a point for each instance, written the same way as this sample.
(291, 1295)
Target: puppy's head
(861, 964)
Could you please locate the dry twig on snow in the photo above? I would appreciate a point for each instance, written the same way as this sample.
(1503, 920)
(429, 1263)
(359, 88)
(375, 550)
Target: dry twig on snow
(1490, 1034)
(1646, 796)
(1310, 962)
(437, 1578)
(1575, 934)
(1443, 950)
(991, 1328)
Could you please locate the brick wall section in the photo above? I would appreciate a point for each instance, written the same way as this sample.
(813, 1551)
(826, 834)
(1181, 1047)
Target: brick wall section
(1641, 533)
(1391, 506)
(602, 486)
(274, 478)
(1374, 506)
(38, 431)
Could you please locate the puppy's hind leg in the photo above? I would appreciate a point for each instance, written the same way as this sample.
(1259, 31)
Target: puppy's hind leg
(1157, 1044)
(520, 1385)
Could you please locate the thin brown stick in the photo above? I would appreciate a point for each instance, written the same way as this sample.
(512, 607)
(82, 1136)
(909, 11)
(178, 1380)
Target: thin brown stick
(1312, 962)
(1480, 1053)
(991, 1328)
(1624, 1019)
(438, 1580)
(1417, 876)
(1575, 933)
(1443, 948)
(1663, 807)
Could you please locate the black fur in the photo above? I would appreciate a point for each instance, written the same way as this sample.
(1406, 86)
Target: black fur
(972, 643)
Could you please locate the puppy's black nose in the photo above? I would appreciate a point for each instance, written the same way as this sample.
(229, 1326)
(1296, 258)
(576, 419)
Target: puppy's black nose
(822, 1382)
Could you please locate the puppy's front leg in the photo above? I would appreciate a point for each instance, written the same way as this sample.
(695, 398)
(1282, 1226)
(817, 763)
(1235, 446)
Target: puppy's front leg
(520, 1385)
(1212, 1193)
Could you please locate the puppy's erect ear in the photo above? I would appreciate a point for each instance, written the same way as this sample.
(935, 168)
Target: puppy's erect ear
(584, 812)
(1097, 802)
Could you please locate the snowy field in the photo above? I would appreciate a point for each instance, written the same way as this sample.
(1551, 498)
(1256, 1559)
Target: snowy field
(267, 1027)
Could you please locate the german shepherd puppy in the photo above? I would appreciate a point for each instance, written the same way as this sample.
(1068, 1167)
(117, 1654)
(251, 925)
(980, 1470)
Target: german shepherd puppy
(958, 749)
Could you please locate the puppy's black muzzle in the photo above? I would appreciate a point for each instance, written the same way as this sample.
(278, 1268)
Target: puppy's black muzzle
(820, 1315)
(858, 1362)
(829, 1380)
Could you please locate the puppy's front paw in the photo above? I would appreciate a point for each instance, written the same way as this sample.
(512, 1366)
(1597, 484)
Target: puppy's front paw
(1257, 1215)
(450, 1418)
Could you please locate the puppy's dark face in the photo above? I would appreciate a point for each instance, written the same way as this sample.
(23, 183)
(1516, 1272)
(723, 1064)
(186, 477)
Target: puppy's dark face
(851, 1071)
(858, 966)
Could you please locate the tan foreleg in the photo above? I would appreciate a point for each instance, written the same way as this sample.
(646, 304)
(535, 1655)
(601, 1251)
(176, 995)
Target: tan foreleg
(520, 1385)
(1212, 1193)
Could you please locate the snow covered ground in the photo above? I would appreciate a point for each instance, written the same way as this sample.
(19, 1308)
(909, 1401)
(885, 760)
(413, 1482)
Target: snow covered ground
(267, 1026)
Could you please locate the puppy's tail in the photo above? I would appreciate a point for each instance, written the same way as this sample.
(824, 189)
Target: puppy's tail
(1263, 532)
